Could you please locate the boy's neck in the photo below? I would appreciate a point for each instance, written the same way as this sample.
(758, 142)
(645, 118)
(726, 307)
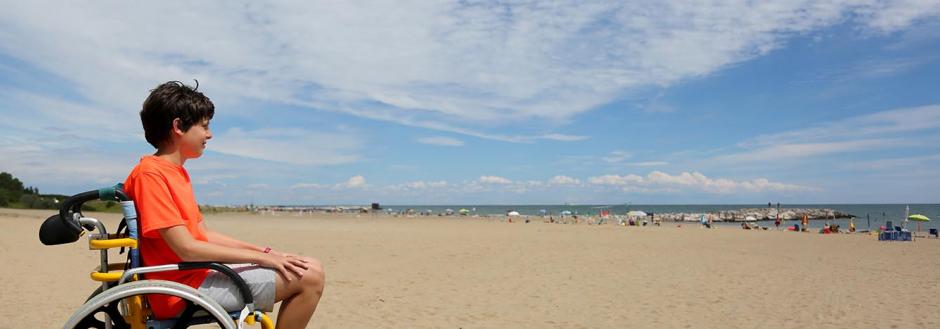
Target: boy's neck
(173, 156)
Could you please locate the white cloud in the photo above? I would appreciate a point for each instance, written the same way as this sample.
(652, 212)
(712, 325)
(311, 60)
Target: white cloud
(891, 16)
(494, 180)
(895, 122)
(421, 185)
(694, 181)
(563, 137)
(563, 180)
(648, 163)
(416, 63)
(615, 157)
(354, 182)
(615, 180)
(289, 145)
(891, 129)
(314, 186)
(806, 150)
(441, 141)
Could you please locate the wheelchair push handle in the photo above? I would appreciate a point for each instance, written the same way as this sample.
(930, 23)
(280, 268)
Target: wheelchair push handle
(63, 228)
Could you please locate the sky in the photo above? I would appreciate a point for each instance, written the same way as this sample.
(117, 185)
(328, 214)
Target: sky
(483, 102)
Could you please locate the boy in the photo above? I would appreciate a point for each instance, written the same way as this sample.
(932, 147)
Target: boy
(176, 122)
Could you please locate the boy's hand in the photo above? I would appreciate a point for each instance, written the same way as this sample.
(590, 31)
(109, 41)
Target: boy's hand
(304, 259)
(287, 266)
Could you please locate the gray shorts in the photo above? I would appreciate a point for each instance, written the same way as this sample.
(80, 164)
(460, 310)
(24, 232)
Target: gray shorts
(260, 280)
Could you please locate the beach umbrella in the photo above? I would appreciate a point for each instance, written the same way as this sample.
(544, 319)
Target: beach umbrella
(512, 213)
(464, 211)
(636, 213)
(918, 218)
(565, 213)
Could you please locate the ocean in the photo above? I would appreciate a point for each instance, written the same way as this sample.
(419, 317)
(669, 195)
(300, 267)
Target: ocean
(875, 214)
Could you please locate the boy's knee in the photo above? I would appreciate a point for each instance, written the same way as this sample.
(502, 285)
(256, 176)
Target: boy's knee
(315, 278)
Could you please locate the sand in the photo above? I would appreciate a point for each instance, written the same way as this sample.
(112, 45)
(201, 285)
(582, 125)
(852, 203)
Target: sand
(385, 272)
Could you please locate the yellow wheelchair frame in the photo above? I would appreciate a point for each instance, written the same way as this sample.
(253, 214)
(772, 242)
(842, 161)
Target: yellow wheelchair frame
(119, 303)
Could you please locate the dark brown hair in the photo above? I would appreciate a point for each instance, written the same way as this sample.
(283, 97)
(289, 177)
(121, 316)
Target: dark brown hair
(168, 102)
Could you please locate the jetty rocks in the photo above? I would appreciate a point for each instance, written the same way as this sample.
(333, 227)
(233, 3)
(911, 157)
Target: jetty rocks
(742, 215)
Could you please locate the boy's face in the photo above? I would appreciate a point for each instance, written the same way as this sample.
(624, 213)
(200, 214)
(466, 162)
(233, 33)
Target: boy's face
(193, 141)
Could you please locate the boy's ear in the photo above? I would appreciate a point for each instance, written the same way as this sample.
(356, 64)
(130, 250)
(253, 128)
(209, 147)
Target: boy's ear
(176, 126)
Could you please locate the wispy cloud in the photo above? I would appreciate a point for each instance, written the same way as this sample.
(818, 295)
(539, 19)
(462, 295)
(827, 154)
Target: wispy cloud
(289, 145)
(564, 180)
(891, 129)
(616, 157)
(441, 141)
(648, 163)
(353, 182)
(692, 181)
(495, 180)
(461, 62)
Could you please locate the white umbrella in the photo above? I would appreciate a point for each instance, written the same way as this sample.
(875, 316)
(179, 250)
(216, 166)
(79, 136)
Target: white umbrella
(512, 213)
(637, 213)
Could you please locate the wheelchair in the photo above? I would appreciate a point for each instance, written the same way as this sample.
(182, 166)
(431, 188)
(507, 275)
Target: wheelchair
(120, 301)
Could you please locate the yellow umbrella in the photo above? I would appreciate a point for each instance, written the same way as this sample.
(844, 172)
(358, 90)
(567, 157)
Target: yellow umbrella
(918, 218)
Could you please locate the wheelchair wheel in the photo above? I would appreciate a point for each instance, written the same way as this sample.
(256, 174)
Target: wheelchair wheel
(107, 305)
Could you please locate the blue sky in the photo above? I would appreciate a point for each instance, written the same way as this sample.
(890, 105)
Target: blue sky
(436, 102)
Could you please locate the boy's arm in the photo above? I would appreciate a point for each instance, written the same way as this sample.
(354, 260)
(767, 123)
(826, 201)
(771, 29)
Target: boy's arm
(225, 240)
(189, 249)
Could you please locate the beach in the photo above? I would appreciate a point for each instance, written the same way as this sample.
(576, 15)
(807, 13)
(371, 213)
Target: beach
(447, 272)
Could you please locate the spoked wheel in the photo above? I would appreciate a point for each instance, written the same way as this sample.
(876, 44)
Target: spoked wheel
(107, 305)
(98, 318)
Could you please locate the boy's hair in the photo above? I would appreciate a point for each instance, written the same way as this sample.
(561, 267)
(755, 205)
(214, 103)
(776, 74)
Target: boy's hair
(169, 101)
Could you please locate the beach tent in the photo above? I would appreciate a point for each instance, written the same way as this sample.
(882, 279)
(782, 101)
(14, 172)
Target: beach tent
(918, 218)
(512, 213)
(636, 213)
(464, 211)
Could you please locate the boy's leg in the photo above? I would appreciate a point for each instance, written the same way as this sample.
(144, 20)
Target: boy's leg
(299, 298)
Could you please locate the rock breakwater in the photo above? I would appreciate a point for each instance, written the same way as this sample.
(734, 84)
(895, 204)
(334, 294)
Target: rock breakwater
(746, 214)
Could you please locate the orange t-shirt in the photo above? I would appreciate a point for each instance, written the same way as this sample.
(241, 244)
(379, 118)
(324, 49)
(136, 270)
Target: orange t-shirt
(163, 194)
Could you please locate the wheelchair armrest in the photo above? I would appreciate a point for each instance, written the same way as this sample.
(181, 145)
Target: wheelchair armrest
(219, 267)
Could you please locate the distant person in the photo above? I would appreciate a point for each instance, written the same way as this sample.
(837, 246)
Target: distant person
(777, 222)
(176, 119)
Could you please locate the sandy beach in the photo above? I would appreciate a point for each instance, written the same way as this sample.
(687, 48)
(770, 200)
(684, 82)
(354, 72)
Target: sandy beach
(385, 272)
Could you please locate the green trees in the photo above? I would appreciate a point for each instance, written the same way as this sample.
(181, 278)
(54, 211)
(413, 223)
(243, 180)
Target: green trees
(12, 191)
(14, 195)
